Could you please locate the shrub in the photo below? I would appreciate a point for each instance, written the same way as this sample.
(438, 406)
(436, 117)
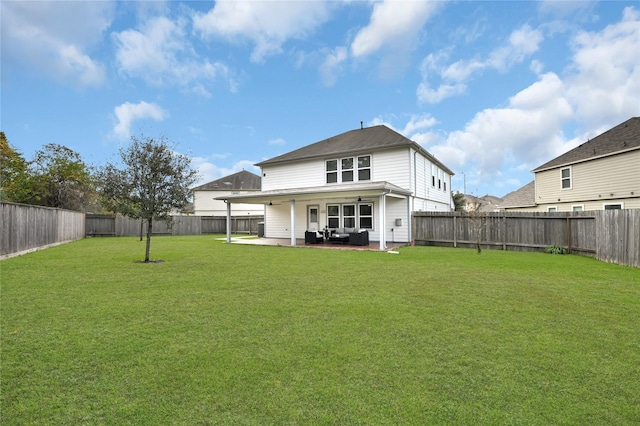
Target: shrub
(555, 250)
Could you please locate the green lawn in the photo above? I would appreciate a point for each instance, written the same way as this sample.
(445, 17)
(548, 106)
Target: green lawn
(252, 335)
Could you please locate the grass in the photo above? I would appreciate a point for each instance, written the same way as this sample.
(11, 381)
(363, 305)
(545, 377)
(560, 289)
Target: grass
(251, 335)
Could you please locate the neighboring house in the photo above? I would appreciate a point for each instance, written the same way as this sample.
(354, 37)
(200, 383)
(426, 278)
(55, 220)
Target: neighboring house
(484, 204)
(244, 182)
(370, 178)
(602, 173)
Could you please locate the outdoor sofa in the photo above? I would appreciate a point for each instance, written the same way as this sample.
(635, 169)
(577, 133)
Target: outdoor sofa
(351, 236)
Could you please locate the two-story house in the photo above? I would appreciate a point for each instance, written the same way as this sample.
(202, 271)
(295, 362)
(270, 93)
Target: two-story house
(602, 173)
(205, 202)
(370, 178)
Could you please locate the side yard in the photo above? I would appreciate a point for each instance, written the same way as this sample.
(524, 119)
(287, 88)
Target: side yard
(233, 334)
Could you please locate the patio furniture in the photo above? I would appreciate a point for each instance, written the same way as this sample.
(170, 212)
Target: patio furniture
(313, 237)
(339, 238)
(359, 238)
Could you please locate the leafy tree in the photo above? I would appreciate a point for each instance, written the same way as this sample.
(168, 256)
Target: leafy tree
(153, 181)
(14, 176)
(60, 178)
(458, 201)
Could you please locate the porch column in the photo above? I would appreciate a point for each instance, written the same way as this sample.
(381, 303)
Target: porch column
(293, 222)
(382, 208)
(228, 221)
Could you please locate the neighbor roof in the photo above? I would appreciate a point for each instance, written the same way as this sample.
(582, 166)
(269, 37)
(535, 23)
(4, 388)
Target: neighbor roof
(623, 137)
(523, 197)
(243, 180)
(373, 138)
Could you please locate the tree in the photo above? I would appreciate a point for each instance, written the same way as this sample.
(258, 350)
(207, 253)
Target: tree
(60, 178)
(458, 201)
(478, 220)
(14, 176)
(153, 181)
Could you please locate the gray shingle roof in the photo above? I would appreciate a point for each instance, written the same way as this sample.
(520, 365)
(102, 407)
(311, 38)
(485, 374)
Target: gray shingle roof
(523, 197)
(368, 139)
(623, 137)
(243, 180)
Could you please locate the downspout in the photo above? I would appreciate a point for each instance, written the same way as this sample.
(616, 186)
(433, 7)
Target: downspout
(228, 220)
(383, 228)
(293, 222)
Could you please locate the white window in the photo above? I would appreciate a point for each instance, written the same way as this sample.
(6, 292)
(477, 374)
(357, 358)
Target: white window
(333, 216)
(577, 208)
(365, 216)
(433, 175)
(350, 216)
(552, 209)
(332, 171)
(364, 167)
(348, 169)
(566, 178)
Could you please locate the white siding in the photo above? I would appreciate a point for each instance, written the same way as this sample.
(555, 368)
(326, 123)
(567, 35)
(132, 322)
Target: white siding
(204, 204)
(277, 221)
(293, 175)
(393, 167)
(397, 209)
(428, 196)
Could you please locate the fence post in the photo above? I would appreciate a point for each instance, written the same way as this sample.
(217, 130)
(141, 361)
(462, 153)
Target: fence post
(504, 230)
(455, 232)
(569, 234)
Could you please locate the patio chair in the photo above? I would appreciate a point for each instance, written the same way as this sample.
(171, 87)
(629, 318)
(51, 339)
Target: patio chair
(313, 237)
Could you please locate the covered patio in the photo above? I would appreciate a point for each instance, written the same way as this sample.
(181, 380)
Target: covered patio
(286, 242)
(287, 209)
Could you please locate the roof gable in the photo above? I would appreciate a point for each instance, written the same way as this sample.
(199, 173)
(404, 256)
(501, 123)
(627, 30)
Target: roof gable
(623, 137)
(375, 138)
(242, 180)
(523, 197)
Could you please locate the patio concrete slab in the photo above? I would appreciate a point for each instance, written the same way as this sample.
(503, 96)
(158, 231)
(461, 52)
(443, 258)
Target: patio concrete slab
(286, 242)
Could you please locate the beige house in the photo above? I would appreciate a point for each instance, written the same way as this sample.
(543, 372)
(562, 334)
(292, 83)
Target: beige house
(602, 173)
(241, 183)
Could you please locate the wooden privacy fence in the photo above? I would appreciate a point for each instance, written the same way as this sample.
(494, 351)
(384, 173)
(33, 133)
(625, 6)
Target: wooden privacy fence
(119, 226)
(24, 228)
(610, 235)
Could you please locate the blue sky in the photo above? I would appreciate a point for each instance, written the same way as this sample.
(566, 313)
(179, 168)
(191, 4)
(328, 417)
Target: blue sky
(492, 89)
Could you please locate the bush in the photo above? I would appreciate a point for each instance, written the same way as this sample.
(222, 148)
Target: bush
(555, 250)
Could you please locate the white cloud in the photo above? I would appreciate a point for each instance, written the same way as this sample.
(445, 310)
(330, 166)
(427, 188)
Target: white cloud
(127, 113)
(160, 53)
(604, 79)
(267, 24)
(392, 25)
(601, 89)
(417, 123)
(332, 65)
(444, 91)
(277, 141)
(522, 43)
(453, 78)
(55, 37)
(210, 171)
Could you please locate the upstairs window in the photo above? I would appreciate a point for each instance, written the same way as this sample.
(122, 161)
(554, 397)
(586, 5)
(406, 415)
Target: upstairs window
(566, 178)
(364, 167)
(348, 169)
(332, 171)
